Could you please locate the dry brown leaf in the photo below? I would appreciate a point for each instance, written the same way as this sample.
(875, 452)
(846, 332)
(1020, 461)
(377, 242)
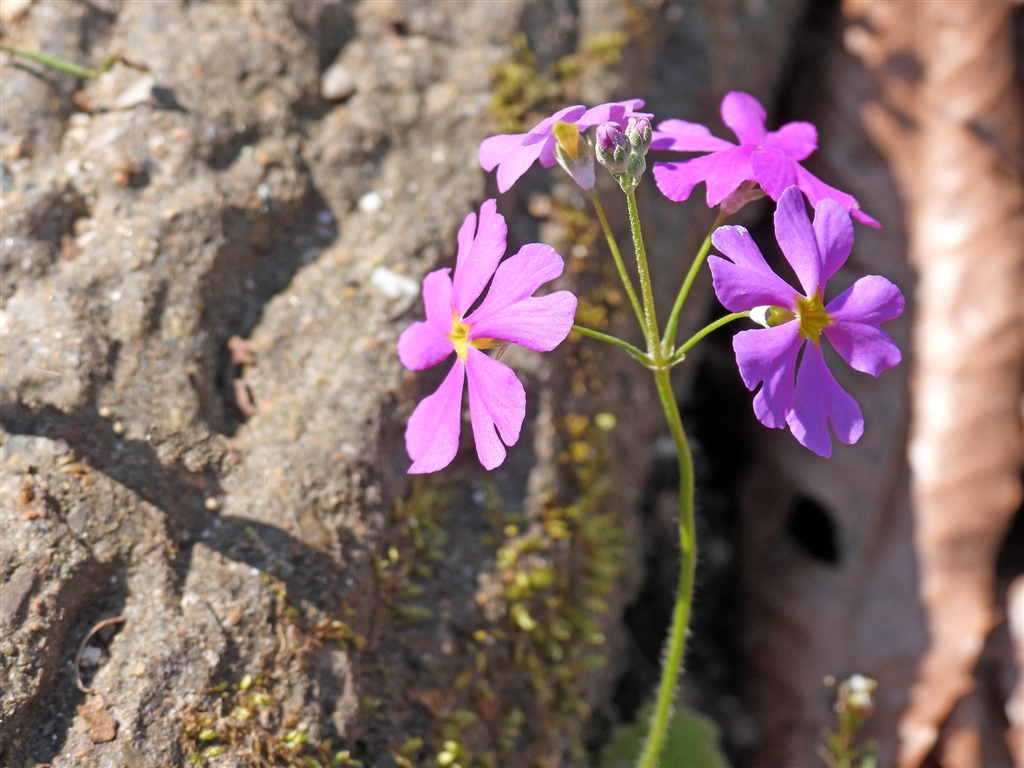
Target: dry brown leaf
(949, 118)
(1015, 704)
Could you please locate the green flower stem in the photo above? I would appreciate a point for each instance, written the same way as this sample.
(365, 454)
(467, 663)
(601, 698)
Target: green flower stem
(687, 535)
(680, 353)
(651, 329)
(698, 261)
(637, 355)
(617, 255)
(59, 64)
(687, 567)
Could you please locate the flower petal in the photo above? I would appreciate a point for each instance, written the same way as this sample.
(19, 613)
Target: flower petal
(681, 136)
(833, 232)
(773, 170)
(817, 400)
(509, 313)
(798, 140)
(817, 190)
(745, 116)
(539, 323)
(872, 300)
(437, 296)
(496, 399)
(747, 281)
(616, 112)
(432, 435)
(497, 148)
(478, 256)
(796, 238)
(547, 152)
(855, 334)
(543, 129)
(516, 163)
(867, 348)
(421, 345)
(723, 171)
(769, 355)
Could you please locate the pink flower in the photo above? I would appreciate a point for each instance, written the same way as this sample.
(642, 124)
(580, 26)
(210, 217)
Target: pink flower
(508, 313)
(513, 153)
(770, 159)
(800, 390)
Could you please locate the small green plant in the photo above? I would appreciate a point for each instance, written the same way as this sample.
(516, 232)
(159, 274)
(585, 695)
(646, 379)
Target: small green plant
(854, 702)
(691, 742)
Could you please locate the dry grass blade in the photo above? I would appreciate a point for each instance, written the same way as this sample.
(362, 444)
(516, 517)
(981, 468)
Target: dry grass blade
(81, 648)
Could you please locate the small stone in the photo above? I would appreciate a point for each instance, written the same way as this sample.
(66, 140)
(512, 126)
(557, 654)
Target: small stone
(104, 412)
(233, 619)
(139, 670)
(392, 284)
(77, 518)
(91, 656)
(137, 93)
(212, 503)
(337, 83)
(118, 428)
(371, 202)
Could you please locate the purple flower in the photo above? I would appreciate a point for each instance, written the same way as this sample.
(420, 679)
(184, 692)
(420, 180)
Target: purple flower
(770, 159)
(512, 154)
(508, 313)
(799, 390)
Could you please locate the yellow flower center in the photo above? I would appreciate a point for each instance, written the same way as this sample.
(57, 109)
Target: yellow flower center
(459, 335)
(812, 316)
(568, 137)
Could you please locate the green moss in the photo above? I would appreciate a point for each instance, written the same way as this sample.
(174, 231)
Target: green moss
(519, 89)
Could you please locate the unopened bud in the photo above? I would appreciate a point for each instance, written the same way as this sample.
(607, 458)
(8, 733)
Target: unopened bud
(612, 147)
(636, 165)
(639, 134)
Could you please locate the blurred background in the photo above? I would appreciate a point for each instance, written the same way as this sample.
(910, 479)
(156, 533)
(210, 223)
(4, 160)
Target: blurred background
(209, 249)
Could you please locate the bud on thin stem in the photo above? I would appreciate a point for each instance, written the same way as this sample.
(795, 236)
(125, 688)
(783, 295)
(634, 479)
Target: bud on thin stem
(612, 147)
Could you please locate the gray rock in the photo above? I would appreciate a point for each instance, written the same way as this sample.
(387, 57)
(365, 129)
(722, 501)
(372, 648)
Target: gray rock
(337, 83)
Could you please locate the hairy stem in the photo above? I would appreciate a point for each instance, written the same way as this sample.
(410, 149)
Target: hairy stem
(673, 657)
(646, 291)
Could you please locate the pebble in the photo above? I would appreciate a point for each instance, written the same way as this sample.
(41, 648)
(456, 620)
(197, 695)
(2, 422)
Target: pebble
(91, 656)
(392, 284)
(137, 93)
(337, 83)
(371, 202)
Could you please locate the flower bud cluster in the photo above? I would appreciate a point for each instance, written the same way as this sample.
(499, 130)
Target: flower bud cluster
(622, 151)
